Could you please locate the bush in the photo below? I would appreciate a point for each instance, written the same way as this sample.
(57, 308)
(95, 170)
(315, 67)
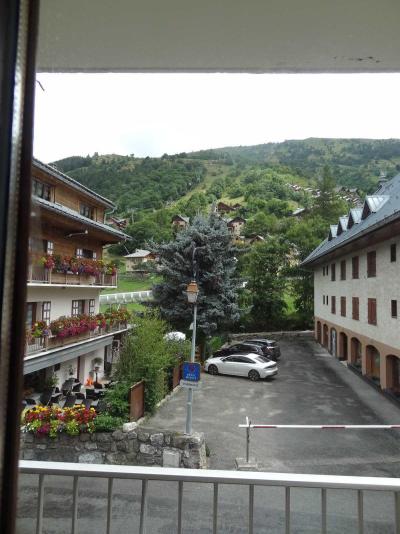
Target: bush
(146, 355)
(107, 423)
(116, 400)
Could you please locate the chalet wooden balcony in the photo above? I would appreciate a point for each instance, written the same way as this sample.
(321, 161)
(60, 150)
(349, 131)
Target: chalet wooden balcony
(38, 274)
(49, 343)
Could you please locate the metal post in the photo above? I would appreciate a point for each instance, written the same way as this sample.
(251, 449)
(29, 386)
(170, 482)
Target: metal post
(190, 390)
(248, 440)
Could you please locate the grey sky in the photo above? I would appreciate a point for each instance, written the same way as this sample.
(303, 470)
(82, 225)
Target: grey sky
(150, 114)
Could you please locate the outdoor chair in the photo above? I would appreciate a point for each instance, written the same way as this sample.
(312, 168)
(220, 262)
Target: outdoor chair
(77, 387)
(30, 402)
(80, 398)
(91, 394)
(70, 401)
(45, 397)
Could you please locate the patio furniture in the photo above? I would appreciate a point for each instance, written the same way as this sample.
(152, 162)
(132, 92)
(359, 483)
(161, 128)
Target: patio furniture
(88, 403)
(80, 398)
(76, 387)
(45, 397)
(69, 401)
(91, 394)
(30, 402)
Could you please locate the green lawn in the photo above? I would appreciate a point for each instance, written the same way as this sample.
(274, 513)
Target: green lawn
(126, 285)
(130, 306)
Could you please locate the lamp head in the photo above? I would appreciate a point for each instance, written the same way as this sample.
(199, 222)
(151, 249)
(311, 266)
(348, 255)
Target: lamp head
(192, 291)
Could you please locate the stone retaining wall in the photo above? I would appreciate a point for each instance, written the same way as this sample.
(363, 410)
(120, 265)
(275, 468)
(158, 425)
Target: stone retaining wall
(272, 335)
(139, 446)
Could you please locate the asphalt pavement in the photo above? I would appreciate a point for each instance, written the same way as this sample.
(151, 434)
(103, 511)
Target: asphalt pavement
(312, 387)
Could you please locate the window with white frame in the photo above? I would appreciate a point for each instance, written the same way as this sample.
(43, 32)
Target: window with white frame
(46, 310)
(92, 306)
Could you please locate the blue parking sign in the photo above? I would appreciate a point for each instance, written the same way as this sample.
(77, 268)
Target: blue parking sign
(191, 371)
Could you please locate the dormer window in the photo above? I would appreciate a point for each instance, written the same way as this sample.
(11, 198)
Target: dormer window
(41, 190)
(366, 211)
(332, 232)
(86, 211)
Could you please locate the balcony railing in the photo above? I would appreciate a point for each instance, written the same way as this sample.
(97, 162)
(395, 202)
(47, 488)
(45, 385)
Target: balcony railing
(41, 344)
(39, 275)
(190, 480)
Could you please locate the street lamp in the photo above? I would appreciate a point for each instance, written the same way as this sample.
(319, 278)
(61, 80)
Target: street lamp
(192, 292)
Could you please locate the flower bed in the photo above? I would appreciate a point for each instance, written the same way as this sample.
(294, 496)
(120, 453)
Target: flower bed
(50, 421)
(73, 326)
(71, 264)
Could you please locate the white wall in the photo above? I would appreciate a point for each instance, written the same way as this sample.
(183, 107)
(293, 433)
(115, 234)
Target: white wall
(384, 287)
(61, 299)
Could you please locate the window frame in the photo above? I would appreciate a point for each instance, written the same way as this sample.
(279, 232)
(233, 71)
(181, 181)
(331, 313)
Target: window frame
(333, 304)
(343, 304)
(46, 311)
(343, 270)
(372, 311)
(355, 308)
(333, 272)
(355, 267)
(371, 264)
(393, 308)
(393, 253)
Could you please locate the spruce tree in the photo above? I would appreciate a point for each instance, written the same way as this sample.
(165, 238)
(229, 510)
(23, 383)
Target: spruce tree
(214, 268)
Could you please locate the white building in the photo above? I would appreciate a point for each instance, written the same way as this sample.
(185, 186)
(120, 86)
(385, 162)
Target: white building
(357, 287)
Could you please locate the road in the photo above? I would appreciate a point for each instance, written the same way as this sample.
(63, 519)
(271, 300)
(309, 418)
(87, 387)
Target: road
(311, 388)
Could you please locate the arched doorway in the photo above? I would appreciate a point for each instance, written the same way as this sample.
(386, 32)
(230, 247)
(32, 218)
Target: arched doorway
(373, 361)
(326, 339)
(393, 374)
(343, 341)
(333, 342)
(319, 331)
(356, 353)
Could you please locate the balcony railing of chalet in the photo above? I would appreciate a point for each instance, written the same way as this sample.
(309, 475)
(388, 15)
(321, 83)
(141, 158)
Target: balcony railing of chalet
(188, 495)
(41, 344)
(38, 274)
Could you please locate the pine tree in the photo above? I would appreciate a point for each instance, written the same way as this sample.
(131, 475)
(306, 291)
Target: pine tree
(214, 267)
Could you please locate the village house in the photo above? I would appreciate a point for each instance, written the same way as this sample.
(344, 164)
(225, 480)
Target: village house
(180, 222)
(357, 287)
(138, 257)
(66, 338)
(236, 225)
(224, 208)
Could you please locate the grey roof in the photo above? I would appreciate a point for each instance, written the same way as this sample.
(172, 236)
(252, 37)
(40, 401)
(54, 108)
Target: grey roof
(70, 181)
(297, 211)
(139, 253)
(59, 208)
(384, 208)
(186, 219)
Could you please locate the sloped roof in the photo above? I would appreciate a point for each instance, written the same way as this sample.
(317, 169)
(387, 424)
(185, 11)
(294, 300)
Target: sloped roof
(60, 208)
(384, 208)
(342, 225)
(185, 219)
(139, 253)
(71, 182)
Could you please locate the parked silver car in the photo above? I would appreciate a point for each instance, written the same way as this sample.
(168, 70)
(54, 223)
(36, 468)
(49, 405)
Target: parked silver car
(250, 365)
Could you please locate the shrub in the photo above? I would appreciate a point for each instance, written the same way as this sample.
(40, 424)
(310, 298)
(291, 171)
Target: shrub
(107, 423)
(116, 400)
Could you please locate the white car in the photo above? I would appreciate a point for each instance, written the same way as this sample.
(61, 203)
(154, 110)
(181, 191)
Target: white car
(250, 365)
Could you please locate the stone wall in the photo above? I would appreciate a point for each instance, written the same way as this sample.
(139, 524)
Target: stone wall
(139, 446)
(272, 335)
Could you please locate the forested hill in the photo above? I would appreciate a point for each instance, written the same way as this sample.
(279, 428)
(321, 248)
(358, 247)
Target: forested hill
(152, 183)
(353, 162)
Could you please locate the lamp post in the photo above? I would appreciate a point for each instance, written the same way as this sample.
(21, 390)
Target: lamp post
(192, 292)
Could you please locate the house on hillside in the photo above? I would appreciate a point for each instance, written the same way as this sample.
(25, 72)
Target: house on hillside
(357, 287)
(180, 222)
(254, 238)
(66, 339)
(118, 223)
(300, 212)
(224, 208)
(138, 257)
(236, 225)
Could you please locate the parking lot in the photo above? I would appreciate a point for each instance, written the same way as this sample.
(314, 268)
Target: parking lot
(311, 387)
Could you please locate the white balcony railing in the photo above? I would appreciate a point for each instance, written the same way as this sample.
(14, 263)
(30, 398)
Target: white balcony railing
(187, 477)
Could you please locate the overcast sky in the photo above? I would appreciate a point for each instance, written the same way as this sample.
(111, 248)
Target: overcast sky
(153, 114)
